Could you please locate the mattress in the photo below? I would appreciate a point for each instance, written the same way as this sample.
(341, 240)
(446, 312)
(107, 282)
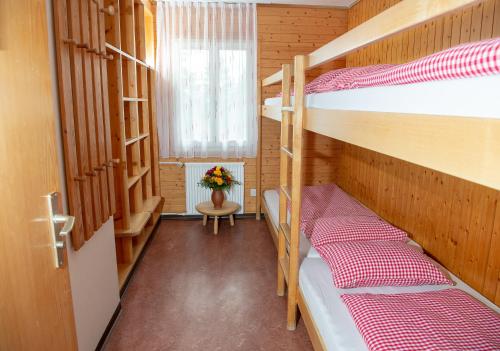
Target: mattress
(331, 316)
(471, 97)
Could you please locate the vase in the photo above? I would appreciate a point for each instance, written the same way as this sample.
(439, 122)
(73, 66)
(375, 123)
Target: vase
(217, 198)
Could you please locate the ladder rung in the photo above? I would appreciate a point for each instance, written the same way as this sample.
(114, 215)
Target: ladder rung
(287, 108)
(286, 191)
(285, 229)
(285, 267)
(287, 151)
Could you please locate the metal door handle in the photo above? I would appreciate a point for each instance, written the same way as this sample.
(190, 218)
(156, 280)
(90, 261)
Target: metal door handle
(69, 222)
(59, 234)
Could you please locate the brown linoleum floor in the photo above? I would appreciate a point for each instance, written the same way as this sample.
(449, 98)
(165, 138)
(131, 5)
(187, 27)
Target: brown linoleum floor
(197, 291)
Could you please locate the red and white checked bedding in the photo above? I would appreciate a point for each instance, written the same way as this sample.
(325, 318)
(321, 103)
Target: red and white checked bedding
(464, 61)
(327, 200)
(439, 320)
(353, 228)
(356, 264)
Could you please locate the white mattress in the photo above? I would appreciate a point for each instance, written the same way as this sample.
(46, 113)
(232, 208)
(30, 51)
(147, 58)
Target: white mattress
(471, 97)
(331, 316)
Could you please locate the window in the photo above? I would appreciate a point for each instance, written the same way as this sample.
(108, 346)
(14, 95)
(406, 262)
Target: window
(207, 79)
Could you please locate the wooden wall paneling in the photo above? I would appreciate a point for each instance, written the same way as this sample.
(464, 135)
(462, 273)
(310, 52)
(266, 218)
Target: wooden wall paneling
(109, 163)
(496, 22)
(98, 110)
(63, 46)
(455, 221)
(476, 22)
(480, 21)
(491, 287)
(90, 116)
(76, 53)
(283, 32)
(487, 19)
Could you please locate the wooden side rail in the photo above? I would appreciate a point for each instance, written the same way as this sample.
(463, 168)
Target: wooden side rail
(400, 17)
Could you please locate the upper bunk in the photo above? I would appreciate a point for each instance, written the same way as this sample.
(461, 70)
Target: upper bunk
(452, 126)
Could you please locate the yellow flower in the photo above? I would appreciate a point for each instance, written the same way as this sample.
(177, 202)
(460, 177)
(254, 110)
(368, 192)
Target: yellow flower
(220, 181)
(217, 172)
(214, 179)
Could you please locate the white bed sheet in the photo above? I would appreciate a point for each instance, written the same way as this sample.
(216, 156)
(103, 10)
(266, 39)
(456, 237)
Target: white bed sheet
(330, 314)
(471, 97)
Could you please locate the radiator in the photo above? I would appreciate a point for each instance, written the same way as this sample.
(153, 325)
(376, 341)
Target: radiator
(196, 194)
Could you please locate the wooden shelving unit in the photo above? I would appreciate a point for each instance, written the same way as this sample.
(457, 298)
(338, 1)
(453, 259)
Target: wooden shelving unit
(133, 132)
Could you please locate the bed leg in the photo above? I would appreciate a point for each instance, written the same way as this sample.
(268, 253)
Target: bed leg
(292, 317)
(281, 281)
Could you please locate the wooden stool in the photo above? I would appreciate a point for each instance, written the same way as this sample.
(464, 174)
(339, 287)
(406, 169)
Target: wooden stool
(207, 209)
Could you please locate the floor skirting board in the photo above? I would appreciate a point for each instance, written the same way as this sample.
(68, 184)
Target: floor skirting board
(170, 216)
(108, 329)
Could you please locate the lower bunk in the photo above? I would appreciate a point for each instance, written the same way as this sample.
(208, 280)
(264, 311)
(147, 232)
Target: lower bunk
(329, 322)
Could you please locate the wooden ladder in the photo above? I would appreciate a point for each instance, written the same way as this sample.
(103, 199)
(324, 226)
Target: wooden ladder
(288, 235)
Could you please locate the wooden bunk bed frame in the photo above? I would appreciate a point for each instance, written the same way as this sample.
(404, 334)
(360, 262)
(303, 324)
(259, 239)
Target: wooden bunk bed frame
(425, 140)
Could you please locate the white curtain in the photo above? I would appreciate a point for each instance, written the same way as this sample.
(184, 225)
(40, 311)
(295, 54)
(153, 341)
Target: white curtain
(206, 83)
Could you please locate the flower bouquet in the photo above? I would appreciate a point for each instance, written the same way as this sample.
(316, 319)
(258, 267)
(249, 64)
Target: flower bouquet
(218, 179)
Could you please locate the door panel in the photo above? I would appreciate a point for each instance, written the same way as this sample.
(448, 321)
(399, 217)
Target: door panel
(35, 297)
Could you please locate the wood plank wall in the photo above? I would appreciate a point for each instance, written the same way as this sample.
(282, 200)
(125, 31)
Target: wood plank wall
(457, 222)
(283, 32)
(481, 21)
(286, 31)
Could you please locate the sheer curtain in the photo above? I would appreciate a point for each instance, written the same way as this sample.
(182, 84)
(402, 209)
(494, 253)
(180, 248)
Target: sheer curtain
(206, 79)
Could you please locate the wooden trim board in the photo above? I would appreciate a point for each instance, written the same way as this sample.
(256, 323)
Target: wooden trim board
(312, 330)
(464, 147)
(267, 215)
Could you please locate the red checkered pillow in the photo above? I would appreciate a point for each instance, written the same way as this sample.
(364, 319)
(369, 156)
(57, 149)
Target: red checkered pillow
(354, 228)
(323, 80)
(464, 61)
(357, 264)
(439, 320)
(326, 201)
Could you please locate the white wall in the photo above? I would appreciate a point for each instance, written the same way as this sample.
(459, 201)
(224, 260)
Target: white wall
(93, 271)
(94, 285)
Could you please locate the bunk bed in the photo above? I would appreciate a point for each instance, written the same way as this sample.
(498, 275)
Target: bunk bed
(445, 135)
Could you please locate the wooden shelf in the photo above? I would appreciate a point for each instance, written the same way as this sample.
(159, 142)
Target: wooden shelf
(131, 181)
(143, 171)
(134, 99)
(137, 223)
(152, 203)
(130, 141)
(124, 269)
(133, 117)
